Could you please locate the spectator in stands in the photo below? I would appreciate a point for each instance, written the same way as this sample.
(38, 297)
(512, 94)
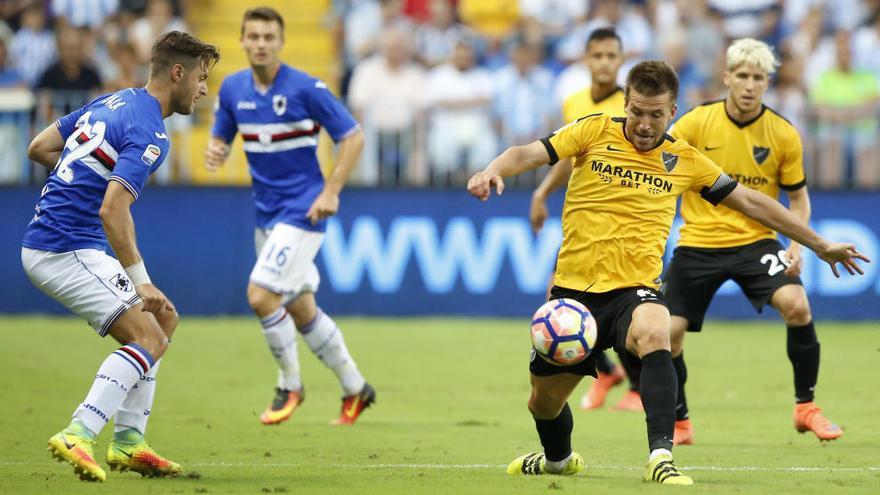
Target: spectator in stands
(84, 13)
(846, 101)
(365, 24)
(866, 45)
(159, 19)
(630, 24)
(33, 46)
(127, 72)
(555, 18)
(690, 82)
(461, 138)
(9, 76)
(386, 95)
(71, 81)
(705, 43)
(523, 108)
(436, 39)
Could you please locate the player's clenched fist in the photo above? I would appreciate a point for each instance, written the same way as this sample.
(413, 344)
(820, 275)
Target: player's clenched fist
(215, 155)
(154, 300)
(480, 185)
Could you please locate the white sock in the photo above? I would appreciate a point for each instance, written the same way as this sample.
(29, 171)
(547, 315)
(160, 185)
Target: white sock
(135, 409)
(556, 466)
(117, 375)
(658, 452)
(324, 338)
(280, 334)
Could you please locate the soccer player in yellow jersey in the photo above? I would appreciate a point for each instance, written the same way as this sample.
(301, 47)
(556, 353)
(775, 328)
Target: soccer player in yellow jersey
(604, 58)
(619, 206)
(762, 151)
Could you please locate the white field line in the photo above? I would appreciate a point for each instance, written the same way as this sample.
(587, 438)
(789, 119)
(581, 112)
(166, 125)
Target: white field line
(455, 467)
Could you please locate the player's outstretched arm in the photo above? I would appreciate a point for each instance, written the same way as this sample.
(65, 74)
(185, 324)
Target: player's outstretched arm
(773, 215)
(46, 148)
(799, 204)
(514, 160)
(327, 203)
(555, 178)
(216, 153)
(115, 215)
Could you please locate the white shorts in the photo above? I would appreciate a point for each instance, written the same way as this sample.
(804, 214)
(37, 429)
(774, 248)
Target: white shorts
(286, 260)
(88, 282)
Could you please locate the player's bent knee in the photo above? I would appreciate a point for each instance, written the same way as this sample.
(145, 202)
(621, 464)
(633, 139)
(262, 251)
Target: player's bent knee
(545, 406)
(262, 301)
(797, 312)
(648, 339)
(141, 328)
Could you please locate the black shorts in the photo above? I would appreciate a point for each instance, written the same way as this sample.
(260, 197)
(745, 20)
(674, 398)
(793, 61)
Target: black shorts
(695, 274)
(613, 313)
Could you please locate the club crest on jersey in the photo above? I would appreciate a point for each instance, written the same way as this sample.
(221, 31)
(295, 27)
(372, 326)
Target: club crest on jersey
(279, 104)
(669, 161)
(151, 154)
(760, 154)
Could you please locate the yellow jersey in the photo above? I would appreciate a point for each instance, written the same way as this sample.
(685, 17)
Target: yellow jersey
(764, 153)
(620, 203)
(581, 103)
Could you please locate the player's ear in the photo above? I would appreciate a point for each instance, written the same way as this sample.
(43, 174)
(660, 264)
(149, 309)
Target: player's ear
(177, 72)
(674, 109)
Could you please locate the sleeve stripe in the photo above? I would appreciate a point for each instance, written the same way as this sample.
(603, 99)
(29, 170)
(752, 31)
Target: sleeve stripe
(125, 184)
(723, 186)
(793, 187)
(550, 150)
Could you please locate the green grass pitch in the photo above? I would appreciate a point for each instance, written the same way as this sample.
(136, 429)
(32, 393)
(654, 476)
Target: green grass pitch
(450, 413)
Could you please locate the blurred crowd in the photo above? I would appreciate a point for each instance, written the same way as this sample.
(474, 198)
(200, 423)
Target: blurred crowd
(441, 86)
(56, 55)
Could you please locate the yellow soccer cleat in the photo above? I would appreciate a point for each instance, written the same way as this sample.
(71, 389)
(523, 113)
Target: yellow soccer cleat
(535, 463)
(79, 452)
(130, 452)
(662, 470)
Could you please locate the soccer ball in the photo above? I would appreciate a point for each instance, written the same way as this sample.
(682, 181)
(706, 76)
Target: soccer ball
(563, 332)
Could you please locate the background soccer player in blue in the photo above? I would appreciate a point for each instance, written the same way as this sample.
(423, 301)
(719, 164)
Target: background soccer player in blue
(279, 112)
(101, 156)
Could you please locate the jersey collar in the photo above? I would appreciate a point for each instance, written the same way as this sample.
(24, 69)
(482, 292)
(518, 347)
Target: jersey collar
(747, 122)
(281, 69)
(617, 89)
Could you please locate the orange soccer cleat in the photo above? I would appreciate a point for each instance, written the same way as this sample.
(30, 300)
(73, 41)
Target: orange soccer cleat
(282, 406)
(684, 433)
(354, 405)
(631, 401)
(808, 417)
(595, 397)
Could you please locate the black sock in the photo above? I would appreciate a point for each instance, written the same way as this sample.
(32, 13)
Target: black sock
(603, 364)
(681, 373)
(803, 352)
(555, 434)
(658, 390)
(633, 369)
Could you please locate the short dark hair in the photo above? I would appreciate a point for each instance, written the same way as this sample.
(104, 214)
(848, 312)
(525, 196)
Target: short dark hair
(175, 47)
(652, 78)
(267, 14)
(603, 34)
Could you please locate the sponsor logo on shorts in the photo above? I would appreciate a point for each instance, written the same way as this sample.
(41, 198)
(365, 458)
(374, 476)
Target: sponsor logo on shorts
(647, 294)
(121, 282)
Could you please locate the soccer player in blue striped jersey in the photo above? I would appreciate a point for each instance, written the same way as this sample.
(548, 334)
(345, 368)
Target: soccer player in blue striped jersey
(101, 157)
(279, 112)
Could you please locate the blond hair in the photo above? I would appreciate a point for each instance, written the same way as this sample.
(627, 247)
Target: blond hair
(752, 52)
